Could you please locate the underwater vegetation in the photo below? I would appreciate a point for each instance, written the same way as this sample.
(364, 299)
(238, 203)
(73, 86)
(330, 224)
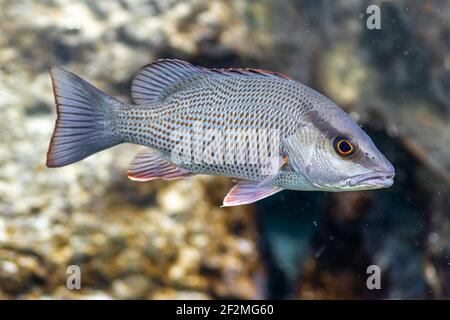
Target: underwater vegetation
(171, 239)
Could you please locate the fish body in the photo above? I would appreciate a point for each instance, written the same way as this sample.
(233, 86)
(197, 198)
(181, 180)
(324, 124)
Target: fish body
(263, 128)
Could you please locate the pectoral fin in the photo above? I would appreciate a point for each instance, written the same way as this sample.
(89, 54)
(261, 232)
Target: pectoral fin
(151, 164)
(276, 164)
(246, 192)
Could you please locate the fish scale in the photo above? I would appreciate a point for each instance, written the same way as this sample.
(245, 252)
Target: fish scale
(224, 112)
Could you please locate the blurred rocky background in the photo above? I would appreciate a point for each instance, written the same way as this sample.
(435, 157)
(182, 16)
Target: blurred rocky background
(163, 240)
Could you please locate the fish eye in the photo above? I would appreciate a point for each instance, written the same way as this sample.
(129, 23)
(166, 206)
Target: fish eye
(344, 146)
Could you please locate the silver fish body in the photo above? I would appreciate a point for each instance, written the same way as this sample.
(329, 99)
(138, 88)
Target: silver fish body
(261, 127)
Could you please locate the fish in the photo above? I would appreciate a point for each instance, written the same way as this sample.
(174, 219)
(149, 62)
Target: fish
(265, 130)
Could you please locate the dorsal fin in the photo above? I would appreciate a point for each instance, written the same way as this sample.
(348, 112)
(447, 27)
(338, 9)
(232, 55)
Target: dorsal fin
(159, 79)
(251, 72)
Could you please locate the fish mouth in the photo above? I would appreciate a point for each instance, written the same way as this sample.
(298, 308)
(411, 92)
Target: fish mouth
(372, 180)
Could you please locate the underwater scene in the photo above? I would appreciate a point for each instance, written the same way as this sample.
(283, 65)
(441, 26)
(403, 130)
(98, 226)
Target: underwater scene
(88, 230)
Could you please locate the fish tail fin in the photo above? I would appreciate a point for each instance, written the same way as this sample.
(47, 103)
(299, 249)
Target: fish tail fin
(82, 126)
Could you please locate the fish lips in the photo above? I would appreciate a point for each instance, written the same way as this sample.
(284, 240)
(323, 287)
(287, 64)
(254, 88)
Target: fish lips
(372, 180)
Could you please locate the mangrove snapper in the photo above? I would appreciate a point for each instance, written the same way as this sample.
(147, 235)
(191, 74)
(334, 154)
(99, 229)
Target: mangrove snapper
(264, 129)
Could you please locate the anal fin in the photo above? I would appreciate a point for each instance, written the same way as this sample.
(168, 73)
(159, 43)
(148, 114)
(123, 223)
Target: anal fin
(246, 192)
(151, 164)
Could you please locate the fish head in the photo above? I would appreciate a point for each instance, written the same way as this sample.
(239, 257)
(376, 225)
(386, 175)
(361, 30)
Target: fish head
(334, 154)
